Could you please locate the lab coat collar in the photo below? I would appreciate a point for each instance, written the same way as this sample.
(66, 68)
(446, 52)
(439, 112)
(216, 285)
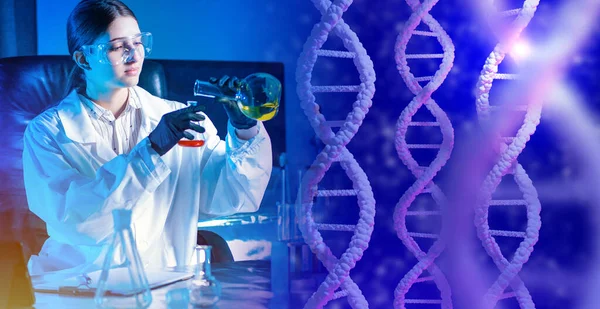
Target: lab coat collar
(151, 112)
(78, 126)
(75, 120)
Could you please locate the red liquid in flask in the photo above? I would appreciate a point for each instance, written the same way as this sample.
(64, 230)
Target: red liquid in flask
(192, 143)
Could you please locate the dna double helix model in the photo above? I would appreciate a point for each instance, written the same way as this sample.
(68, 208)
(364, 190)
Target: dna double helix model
(509, 148)
(424, 174)
(335, 151)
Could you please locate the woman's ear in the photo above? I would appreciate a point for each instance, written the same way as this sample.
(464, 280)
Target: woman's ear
(81, 61)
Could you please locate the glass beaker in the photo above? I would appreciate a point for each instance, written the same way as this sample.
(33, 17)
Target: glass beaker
(123, 282)
(195, 142)
(257, 96)
(204, 289)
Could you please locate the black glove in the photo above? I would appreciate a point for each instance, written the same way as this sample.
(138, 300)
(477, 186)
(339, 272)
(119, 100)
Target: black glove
(172, 126)
(230, 86)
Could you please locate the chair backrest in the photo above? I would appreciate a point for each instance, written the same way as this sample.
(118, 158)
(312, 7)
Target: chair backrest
(29, 85)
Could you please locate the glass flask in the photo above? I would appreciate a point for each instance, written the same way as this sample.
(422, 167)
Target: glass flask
(257, 96)
(123, 282)
(204, 289)
(195, 142)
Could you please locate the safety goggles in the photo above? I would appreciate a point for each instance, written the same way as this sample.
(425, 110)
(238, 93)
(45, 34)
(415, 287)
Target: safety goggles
(121, 50)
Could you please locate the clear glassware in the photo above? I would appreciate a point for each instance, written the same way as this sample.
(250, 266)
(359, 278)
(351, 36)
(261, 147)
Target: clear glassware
(257, 97)
(195, 142)
(123, 282)
(204, 289)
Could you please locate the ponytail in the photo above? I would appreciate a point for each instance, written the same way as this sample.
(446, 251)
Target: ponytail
(75, 81)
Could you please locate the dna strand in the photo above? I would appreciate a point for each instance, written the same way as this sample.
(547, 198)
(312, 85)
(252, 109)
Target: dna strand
(335, 150)
(424, 174)
(508, 151)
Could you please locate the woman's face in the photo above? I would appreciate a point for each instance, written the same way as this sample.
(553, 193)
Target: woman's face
(125, 74)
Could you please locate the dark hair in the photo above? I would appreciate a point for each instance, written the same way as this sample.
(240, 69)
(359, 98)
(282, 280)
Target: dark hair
(89, 20)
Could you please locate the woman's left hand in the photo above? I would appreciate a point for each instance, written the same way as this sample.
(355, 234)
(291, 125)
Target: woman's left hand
(230, 86)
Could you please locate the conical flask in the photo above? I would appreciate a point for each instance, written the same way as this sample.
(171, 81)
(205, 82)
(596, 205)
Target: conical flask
(123, 282)
(196, 142)
(204, 289)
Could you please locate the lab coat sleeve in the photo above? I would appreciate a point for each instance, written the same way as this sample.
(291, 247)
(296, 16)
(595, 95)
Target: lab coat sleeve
(78, 208)
(235, 173)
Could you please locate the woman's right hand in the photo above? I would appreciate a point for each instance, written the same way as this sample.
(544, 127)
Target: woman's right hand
(172, 126)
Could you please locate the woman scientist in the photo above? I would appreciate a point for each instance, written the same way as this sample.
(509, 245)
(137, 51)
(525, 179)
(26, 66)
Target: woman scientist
(110, 144)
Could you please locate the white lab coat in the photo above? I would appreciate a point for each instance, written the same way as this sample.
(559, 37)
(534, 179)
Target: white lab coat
(74, 179)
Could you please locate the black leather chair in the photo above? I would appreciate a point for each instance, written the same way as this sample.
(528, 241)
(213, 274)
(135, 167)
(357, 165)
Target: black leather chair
(29, 85)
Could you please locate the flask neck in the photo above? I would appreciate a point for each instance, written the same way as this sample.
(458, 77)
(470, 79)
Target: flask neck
(208, 90)
(203, 261)
(121, 219)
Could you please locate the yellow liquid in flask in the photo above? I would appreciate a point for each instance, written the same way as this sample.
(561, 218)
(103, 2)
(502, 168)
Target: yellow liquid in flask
(262, 112)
